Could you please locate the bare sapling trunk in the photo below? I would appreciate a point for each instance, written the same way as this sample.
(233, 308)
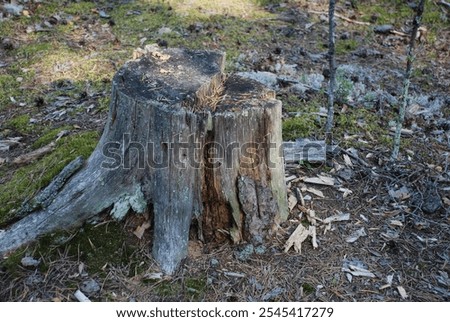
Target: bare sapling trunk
(332, 81)
(406, 83)
(182, 141)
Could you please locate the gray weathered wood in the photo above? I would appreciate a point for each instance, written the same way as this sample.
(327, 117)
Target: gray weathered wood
(304, 150)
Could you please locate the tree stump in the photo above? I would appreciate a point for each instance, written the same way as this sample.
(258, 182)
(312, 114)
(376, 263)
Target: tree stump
(182, 141)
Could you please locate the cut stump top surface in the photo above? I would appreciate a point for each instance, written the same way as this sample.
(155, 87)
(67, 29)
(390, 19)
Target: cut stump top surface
(171, 75)
(191, 79)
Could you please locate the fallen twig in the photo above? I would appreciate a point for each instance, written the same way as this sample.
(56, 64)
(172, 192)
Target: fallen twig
(26, 158)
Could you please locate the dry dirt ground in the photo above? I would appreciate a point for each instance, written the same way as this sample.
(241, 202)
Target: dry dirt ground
(392, 243)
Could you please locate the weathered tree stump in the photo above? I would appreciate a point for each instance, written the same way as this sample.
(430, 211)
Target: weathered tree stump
(181, 140)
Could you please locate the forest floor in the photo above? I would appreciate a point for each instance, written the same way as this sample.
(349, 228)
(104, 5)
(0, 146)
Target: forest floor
(389, 238)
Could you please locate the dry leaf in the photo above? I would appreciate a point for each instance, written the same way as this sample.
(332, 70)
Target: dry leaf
(402, 292)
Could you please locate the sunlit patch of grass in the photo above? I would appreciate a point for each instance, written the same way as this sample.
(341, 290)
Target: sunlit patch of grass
(232, 28)
(79, 7)
(232, 8)
(74, 65)
(387, 12)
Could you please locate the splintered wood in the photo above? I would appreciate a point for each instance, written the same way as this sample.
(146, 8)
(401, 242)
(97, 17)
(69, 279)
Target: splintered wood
(301, 233)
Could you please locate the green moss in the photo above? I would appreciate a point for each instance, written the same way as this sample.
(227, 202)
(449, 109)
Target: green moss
(298, 127)
(27, 180)
(48, 136)
(307, 288)
(195, 287)
(99, 246)
(95, 246)
(167, 289)
(13, 261)
(306, 122)
(20, 124)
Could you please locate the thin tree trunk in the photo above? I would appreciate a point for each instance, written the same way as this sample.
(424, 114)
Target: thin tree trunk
(409, 66)
(332, 82)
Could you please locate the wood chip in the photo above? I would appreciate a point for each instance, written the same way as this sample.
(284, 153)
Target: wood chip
(81, 297)
(446, 201)
(396, 223)
(297, 238)
(153, 276)
(355, 235)
(402, 292)
(233, 274)
(290, 178)
(339, 217)
(358, 271)
(347, 160)
(346, 192)
(315, 192)
(322, 180)
(139, 232)
(292, 202)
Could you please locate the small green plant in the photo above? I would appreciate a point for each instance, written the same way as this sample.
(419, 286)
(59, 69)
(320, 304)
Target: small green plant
(344, 86)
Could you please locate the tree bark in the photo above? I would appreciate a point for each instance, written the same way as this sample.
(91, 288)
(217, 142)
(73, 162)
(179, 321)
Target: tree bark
(181, 140)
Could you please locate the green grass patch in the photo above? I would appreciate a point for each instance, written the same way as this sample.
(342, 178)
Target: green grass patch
(387, 11)
(230, 28)
(345, 46)
(78, 7)
(35, 51)
(27, 180)
(397, 12)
